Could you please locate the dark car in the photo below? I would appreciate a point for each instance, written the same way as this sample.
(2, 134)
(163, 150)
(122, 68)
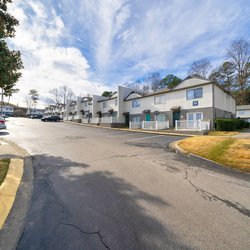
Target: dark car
(51, 118)
(36, 116)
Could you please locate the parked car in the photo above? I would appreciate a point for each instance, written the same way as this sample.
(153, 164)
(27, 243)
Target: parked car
(36, 116)
(2, 123)
(51, 118)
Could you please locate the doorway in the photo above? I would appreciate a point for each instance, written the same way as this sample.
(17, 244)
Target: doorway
(148, 117)
(176, 117)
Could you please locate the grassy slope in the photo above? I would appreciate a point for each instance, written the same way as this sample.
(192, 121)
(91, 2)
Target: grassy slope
(228, 151)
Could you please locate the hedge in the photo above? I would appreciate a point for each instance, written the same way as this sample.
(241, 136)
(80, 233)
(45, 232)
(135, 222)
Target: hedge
(226, 124)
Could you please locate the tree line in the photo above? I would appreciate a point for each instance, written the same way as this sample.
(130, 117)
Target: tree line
(233, 74)
(10, 60)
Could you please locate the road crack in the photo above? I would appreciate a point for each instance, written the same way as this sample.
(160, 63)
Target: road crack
(98, 233)
(212, 197)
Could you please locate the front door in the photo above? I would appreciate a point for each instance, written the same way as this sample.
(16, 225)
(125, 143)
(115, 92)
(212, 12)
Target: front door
(148, 117)
(127, 120)
(176, 117)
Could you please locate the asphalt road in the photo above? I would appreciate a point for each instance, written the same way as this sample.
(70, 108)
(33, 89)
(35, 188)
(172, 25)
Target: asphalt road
(104, 189)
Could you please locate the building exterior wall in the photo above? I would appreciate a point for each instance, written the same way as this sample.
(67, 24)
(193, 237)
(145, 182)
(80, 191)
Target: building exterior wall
(224, 101)
(112, 104)
(243, 112)
(174, 98)
(7, 110)
(123, 92)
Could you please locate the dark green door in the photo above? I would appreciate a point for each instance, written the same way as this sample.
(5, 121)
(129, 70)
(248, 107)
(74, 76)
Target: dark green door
(127, 120)
(148, 117)
(176, 117)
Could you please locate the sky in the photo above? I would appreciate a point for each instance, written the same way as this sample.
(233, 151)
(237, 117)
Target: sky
(95, 45)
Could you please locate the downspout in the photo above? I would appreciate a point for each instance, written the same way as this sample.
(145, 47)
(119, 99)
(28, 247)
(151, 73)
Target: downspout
(213, 125)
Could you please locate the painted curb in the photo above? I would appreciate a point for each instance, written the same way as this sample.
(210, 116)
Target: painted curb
(9, 188)
(131, 130)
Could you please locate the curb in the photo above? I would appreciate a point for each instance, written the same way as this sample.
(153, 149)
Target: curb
(131, 130)
(9, 188)
(13, 226)
(177, 149)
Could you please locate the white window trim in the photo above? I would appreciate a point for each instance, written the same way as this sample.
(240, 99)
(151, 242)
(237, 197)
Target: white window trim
(194, 115)
(138, 104)
(195, 98)
(160, 99)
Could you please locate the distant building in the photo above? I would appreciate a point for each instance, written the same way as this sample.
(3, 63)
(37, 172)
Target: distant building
(243, 112)
(7, 110)
(34, 111)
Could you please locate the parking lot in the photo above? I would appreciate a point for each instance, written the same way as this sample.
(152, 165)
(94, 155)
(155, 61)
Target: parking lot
(99, 188)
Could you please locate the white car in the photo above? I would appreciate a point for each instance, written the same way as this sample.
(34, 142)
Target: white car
(2, 123)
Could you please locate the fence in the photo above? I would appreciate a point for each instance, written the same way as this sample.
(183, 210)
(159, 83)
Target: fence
(163, 125)
(134, 125)
(197, 125)
(94, 120)
(112, 120)
(84, 120)
(149, 125)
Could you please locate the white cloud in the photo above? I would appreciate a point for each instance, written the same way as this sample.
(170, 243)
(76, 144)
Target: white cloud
(47, 64)
(83, 42)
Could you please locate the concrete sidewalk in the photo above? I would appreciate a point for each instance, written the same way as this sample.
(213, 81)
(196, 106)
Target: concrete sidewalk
(15, 193)
(158, 132)
(243, 134)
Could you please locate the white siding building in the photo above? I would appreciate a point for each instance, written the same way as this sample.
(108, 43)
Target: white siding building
(194, 99)
(243, 112)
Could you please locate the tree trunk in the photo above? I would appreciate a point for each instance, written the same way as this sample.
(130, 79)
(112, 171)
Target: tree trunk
(1, 109)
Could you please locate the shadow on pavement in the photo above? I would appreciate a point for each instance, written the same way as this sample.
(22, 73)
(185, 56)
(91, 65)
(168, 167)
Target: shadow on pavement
(74, 207)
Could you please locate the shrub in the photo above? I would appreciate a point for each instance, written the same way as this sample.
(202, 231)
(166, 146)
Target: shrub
(223, 124)
(226, 124)
(239, 123)
(247, 125)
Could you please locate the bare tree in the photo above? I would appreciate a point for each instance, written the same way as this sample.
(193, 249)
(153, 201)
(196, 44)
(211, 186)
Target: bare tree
(239, 55)
(145, 89)
(66, 93)
(224, 75)
(29, 102)
(154, 80)
(33, 93)
(200, 68)
(56, 96)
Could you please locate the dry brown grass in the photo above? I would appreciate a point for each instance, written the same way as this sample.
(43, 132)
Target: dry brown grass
(228, 151)
(238, 155)
(222, 133)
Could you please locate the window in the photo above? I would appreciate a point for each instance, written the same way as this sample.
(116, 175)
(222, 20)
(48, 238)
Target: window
(105, 104)
(194, 93)
(136, 119)
(195, 116)
(85, 104)
(160, 117)
(190, 117)
(160, 99)
(115, 102)
(135, 104)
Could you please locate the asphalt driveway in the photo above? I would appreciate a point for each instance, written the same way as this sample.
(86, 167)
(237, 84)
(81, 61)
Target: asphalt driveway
(104, 189)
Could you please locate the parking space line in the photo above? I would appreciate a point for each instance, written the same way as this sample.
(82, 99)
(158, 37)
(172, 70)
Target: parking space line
(144, 138)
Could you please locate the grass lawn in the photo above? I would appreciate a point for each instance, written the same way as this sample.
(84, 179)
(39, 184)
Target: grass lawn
(228, 151)
(4, 166)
